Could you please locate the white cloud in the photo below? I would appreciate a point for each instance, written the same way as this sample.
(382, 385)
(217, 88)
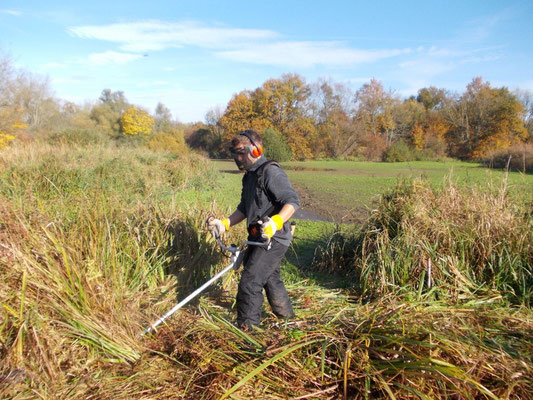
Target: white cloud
(159, 35)
(308, 54)
(254, 46)
(112, 57)
(11, 12)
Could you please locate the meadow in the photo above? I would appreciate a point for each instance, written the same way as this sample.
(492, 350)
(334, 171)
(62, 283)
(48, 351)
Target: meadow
(427, 295)
(356, 186)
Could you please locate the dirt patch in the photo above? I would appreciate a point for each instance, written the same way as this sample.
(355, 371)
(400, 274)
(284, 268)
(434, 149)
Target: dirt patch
(319, 208)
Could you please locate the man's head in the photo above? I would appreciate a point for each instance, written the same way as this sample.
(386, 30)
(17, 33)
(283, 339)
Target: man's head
(246, 148)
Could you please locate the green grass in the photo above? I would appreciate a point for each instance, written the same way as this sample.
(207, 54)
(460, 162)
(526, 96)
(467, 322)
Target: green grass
(355, 186)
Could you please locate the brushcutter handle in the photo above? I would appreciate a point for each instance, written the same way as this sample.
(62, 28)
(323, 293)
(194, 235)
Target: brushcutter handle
(254, 243)
(234, 248)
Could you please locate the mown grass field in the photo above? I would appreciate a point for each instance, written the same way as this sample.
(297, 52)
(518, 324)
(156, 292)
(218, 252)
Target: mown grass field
(98, 241)
(345, 190)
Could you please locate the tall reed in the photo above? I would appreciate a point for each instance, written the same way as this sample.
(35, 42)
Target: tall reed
(457, 242)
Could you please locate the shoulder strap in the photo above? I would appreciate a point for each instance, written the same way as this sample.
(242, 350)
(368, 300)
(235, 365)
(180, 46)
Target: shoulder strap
(261, 181)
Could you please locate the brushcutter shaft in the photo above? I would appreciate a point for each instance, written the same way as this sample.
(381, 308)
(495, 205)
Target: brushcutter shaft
(192, 295)
(235, 251)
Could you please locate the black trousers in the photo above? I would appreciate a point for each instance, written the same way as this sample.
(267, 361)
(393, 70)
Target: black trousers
(262, 271)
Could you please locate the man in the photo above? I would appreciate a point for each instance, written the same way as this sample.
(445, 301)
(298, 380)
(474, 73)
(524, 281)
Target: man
(268, 201)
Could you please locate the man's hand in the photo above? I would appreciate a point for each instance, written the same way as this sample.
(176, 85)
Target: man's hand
(217, 226)
(271, 226)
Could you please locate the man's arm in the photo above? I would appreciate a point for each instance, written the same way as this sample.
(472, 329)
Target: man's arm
(286, 212)
(236, 217)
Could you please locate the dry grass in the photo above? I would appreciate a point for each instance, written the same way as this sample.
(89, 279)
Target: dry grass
(457, 242)
(85, 267)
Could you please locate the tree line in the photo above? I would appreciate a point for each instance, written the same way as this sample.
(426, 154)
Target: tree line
(329, 120)
(299, 120)
(29, 109)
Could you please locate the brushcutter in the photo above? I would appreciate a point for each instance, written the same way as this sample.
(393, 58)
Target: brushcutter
(237, 254)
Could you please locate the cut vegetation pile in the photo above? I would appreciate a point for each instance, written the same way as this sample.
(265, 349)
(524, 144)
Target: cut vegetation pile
(457, 242)
(93, 249)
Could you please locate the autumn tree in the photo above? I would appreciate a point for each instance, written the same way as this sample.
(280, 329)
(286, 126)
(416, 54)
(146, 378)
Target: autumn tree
(432, 98)
(27, 103)
(526, 98)
(281, 103)
(136, 122)
(8, 110)
(484, 120)
(374, 107)
(241, 115)
(338, 134)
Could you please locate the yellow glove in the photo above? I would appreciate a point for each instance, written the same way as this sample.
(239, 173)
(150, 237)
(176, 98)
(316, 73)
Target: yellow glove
(271, 226)
(217, 226)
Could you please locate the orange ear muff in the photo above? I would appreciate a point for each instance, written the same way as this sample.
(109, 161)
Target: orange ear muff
(255, 150)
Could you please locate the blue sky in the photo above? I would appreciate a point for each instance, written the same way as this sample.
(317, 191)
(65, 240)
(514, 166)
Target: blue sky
(194, 55)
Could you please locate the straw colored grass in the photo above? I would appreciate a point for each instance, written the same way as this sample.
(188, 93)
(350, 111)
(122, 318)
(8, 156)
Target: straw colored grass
(458, 242)
(87, 260)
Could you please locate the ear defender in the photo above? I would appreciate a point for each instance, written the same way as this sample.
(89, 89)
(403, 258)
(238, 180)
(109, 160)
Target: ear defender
(255, 150)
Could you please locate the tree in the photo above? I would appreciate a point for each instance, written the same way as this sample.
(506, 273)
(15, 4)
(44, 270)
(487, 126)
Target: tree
(526, 98)
(484, 120)
(374, 108)
(338, 134)
(35, 100)
(213, 122)
(282, 105)
(275, 147)
(107, 113)
(135, 122)
(116, 101)
(241, 115)
(163, 118)
(432, 98)
(26, 102)
(8, 110)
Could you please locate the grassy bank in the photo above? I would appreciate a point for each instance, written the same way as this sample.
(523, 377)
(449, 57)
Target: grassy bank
(98, 241)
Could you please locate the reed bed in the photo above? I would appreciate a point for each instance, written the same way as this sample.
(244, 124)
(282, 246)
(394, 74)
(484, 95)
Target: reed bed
(455, 242)
(92, 251)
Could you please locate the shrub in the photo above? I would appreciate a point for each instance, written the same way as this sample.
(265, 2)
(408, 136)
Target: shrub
(519, 158)
(398, 152)
(275, 147)
(5, 139)
(135, 121)
(78, 137)
(172, 142)
(372, 147)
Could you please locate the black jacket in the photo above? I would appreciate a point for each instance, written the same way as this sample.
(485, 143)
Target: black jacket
(279, 192)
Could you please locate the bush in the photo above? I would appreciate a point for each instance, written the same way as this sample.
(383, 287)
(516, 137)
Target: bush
(518, 158)
(275, 147)
(398, 152)
(78, 137)
(5, 139)
(172, 142)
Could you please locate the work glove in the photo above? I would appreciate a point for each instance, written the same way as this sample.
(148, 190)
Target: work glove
(217, 226)
(271, 226)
